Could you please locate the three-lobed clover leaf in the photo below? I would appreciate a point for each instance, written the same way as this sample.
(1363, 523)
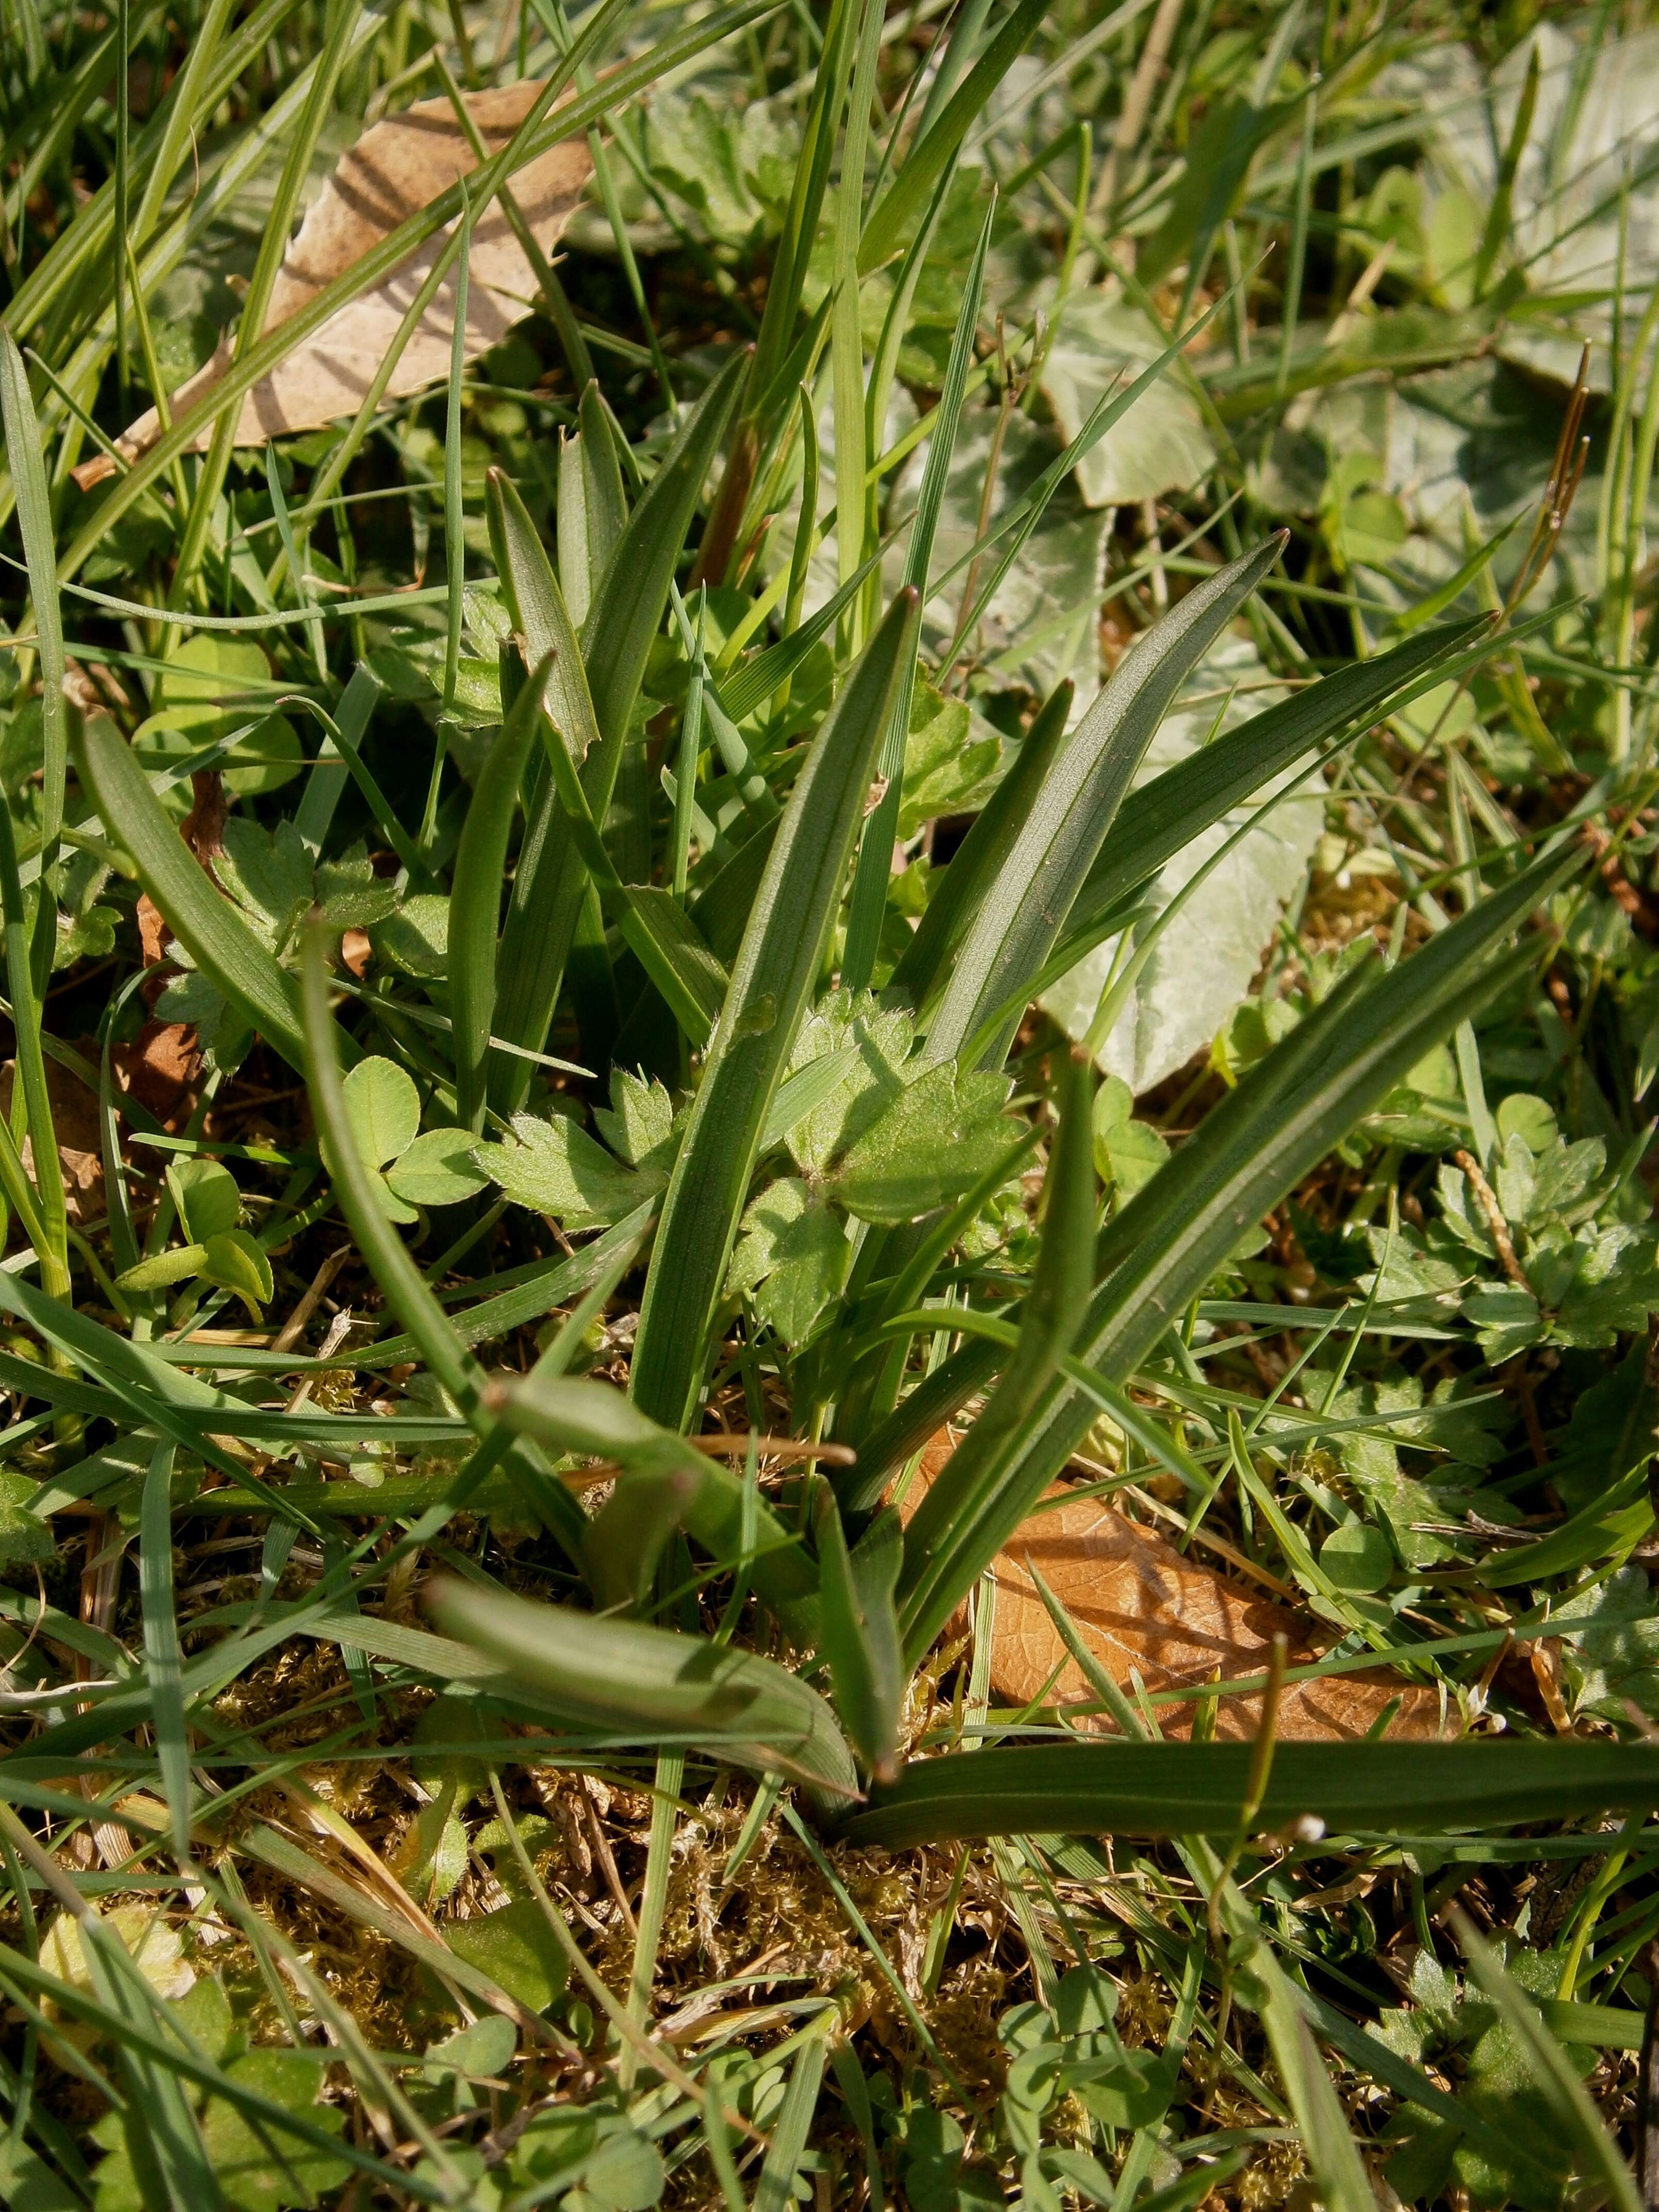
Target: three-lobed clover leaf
(218, 1251)
(412, 1168)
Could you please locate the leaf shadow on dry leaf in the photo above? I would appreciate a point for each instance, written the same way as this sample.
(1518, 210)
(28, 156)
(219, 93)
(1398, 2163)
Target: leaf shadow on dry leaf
(394, 170)
(1141, 1606)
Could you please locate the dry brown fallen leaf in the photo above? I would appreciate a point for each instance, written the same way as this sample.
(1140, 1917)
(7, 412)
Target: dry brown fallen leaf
(1140, 1604)
(394, 170)
(75, 1125)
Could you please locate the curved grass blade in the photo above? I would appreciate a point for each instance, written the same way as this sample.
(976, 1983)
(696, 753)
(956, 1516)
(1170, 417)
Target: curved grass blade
(977, 861)
(1182, 1788)
(393, 1265)
(750, 683)
(27, 462)
(1274, 1129)
(1332, 2153)
(875, 861)
(1550, 2066)
(776, 969)
(162, 1666)
(46, 1207)
(942, 1545)
(170, 2160)
(475, 903)
(926, 161)
(1015, 928)
(779, 2186)
(572, 1415)
(551, 882)
(625, 1675)
(1163, 816)
(221, 943)
(406, 1288)
(858, 1631)
(174, 1404)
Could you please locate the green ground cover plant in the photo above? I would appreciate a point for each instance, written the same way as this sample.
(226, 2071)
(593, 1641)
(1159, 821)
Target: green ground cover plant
(891, 767)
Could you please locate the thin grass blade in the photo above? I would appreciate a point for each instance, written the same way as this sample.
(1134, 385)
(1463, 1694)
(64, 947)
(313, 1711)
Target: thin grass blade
(776, 970)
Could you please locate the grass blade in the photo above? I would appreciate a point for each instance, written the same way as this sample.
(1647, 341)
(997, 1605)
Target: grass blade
(1179, 1788)
(1551, 2069)
(475, 899)
(875, 861)
(924, 163)
(22, 971)
(776, 969)
(1157, 821)
(979, 858)
(1015, 928)
(26, 461)
(858, 1631)
(221, 943)
(161, 1658)
(623, 1675)
(944, 1543)
(1282, 1118)
(551, 883)
(779, 2186)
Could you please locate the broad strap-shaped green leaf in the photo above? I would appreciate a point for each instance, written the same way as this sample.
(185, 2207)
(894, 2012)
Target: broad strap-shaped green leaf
(776, 969)
(600, 501)
(1162, 817)
(977, 861)
(475, 903)
(675, 955)
(551, 883)
(1193, 1789)
(217, 939)
(544, 620)
(623, 1676)
(1049, 1319)
(1164, 1247)
(566, 1415)
(918, 1417)
(628, 607)
(630, 1532)
(1014, 931)
(654, 925)
(858, 1631)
